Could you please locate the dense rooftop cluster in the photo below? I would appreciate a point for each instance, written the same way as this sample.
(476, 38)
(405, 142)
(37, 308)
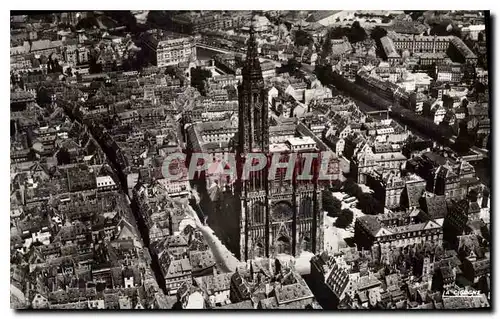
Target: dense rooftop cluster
(98, 105)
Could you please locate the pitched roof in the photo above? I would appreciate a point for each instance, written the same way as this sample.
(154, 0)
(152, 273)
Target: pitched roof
(201, 259)
(370, 223)
(293, 292)
(436, 206)
(178, 267)
(214, 283)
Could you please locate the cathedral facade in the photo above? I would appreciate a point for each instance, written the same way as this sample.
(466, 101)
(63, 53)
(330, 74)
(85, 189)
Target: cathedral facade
(276, 215)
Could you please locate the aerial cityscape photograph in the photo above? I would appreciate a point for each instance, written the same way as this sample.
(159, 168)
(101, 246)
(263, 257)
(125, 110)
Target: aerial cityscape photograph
(250, 160)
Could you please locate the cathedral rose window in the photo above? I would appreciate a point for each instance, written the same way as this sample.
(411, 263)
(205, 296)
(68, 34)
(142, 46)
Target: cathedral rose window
(282, 211)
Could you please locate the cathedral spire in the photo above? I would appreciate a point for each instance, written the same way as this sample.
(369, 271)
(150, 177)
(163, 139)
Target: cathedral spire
(253, 70)
(253, 105)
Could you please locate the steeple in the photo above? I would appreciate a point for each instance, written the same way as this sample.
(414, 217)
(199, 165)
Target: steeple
(252, 71)
(253, 105)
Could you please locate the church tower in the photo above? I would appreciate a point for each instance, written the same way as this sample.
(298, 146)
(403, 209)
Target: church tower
(253, 108)
(275, 216)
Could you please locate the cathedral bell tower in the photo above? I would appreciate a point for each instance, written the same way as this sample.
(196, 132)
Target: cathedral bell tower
(253, 109)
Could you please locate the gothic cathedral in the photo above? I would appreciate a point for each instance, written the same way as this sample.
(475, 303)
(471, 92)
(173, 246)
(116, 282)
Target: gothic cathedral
(276, 216)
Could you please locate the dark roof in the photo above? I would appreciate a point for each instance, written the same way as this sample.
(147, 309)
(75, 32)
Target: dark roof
(435, 158)
(371, 223)
(436, 206)
(201, 259)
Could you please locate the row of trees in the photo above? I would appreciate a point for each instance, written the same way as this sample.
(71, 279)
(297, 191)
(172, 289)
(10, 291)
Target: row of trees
(345, 218)
(366, 202)
(333, 206)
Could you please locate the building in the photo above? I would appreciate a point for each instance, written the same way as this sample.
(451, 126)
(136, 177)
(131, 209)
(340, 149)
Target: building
(216, 287)
(430, 58)
(381, 155)
(192, 23)
(390, 52)
(453, 46)
(419, 44)
(268, 70)
(449, 73)
(334, 281)
(473, 31)
(460, 52)
(388, 187)
(280, 218)
(281, 237)
(165, 48)
(459, 220)
(447, 182)
(369, 232)
(340, 48)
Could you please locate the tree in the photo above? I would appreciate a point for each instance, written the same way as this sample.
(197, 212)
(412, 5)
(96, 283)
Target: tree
(292, 67)
(464, 140)
(326, 48)
(336, 33)
(480, 87)
(303, 38)
(43, 96)
(369, 205)
(426, 109)
(415, 14)
(63, 157)
(162, 18)
(345, 218)
(56, 66)
(480, 37)
(323, 73)
(336, 185)
(378, 33)
(124, 17)
(351, 188)
(356, 33)
(331, 204)
(198, 77)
